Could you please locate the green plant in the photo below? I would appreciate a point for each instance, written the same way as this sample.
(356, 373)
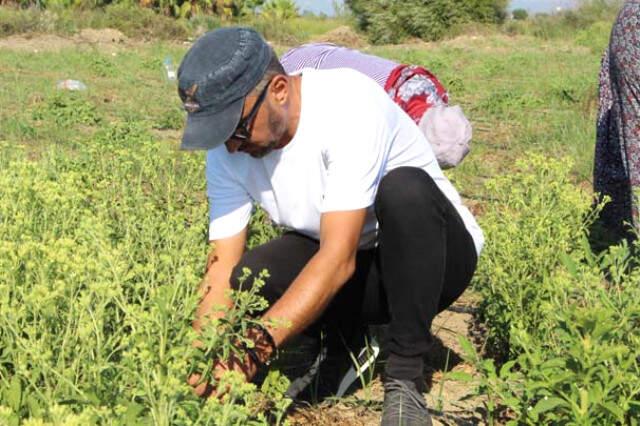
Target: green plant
(99, 266)
(102, 66)
(567, 316)
(280, 10)
(538, 216)
(595, 36)
(67, 109)
(171, 119)
(520, 14)
(392, 21)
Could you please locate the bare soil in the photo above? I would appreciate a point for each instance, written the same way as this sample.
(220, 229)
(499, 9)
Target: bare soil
(108, 39)
(344, 36)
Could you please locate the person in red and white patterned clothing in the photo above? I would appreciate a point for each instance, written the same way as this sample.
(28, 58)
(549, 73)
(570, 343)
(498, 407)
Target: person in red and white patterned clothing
(414, 88)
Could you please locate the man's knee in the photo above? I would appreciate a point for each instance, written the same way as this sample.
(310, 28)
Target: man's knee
(405, 190)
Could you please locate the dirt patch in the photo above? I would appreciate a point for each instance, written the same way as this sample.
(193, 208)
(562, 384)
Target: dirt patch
(343, 36)
(107, 38)
(103, 36)
(37, 43)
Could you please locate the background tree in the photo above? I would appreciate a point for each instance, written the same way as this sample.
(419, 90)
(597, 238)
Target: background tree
(234, 8)
(391, 21)
(520, 14)
(280, 9)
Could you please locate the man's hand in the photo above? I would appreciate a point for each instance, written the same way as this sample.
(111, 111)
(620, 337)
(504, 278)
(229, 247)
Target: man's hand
(205, 390)
(244, 363)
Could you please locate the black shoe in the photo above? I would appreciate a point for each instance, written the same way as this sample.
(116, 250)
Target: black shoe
(403, 405)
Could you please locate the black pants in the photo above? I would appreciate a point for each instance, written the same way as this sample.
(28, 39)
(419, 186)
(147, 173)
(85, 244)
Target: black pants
(424, 260)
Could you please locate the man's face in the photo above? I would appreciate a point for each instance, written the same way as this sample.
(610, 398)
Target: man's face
(262, 126)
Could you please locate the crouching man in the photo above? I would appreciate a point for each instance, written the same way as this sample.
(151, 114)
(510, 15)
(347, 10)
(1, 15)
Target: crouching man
(377, 232)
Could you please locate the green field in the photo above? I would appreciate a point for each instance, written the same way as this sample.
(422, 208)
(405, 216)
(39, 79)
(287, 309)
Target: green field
(103, 238)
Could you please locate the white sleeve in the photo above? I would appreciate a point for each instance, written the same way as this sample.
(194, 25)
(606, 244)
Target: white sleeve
(229, 203)
(355, 162)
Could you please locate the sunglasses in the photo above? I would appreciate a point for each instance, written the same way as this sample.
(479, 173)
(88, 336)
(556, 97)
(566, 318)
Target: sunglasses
(242, 132)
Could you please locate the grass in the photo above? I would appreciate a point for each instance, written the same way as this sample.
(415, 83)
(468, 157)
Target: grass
(30, 78)
(520, 93)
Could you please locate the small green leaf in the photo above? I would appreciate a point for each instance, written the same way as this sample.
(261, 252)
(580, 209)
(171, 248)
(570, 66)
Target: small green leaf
(547, 404)
(615, 410)
(133, 412)
(35, 409)
(569, 264)
(14, 394)
(506, 368)
(460, 376)
(467, 348)
(185, 9)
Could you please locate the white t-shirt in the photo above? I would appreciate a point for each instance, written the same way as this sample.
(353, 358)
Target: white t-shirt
(349, 136)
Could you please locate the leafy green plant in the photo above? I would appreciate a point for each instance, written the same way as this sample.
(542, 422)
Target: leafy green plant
(280, 10)
(100, 257)
(520, 14)
(392, 21)
(103, 66)
(567, 316)
(539, 215)
(67, 109)
(171, 119)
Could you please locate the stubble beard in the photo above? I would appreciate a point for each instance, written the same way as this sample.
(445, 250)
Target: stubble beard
(277, 129)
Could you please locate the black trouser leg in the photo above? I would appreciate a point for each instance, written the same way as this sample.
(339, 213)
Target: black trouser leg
(426, 254)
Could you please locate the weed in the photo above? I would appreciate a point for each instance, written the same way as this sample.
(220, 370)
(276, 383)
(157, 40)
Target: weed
(103, 66)
(172, 119)
(67, 109)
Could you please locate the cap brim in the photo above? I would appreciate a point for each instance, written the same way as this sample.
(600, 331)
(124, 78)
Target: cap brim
(207, 131)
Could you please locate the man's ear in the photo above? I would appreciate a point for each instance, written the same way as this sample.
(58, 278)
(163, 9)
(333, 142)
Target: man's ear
(279, 88)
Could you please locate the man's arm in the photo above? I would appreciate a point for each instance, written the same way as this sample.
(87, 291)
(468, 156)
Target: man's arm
(323, 276)
(301, 304)
(224, 256)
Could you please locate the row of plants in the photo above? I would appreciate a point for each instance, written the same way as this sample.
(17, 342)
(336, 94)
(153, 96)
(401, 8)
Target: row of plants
(102, 247)
(562, 321)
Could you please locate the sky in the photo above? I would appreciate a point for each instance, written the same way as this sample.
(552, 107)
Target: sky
(326, 6)
(542, 5)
